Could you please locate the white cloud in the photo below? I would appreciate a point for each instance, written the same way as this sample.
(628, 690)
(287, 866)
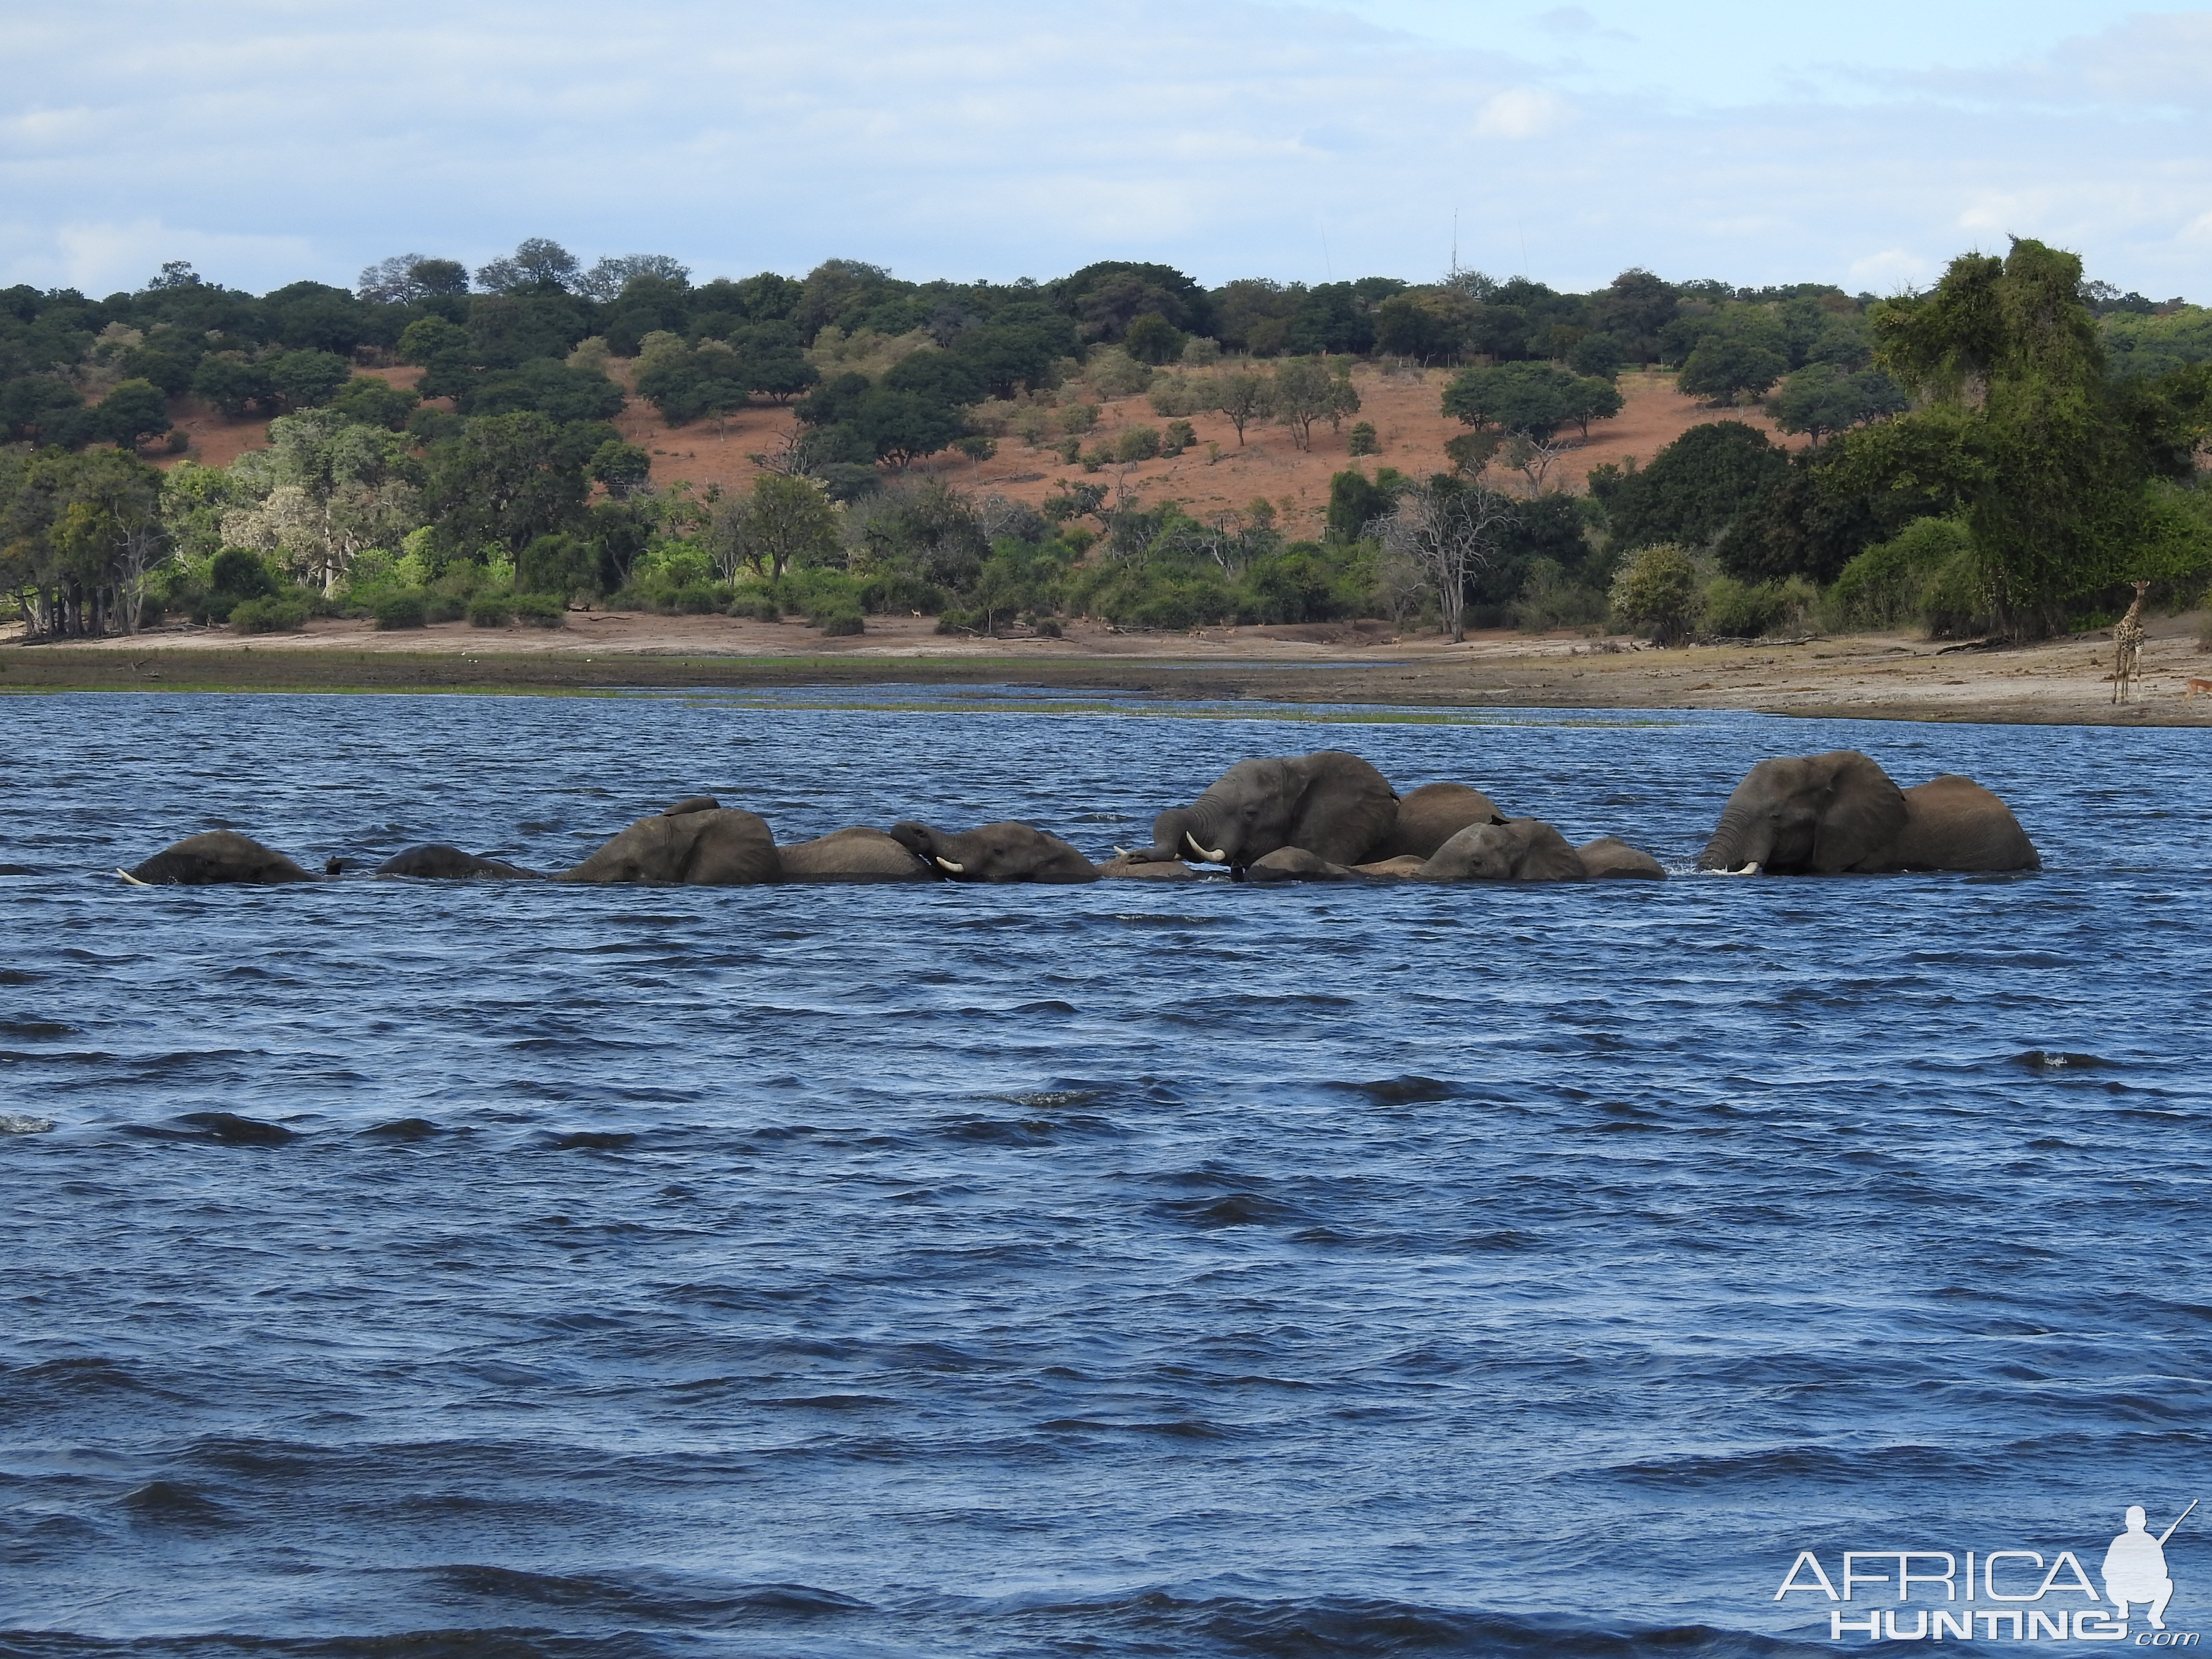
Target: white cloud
(1011, 137)
(1522, 112)
(1891, 270)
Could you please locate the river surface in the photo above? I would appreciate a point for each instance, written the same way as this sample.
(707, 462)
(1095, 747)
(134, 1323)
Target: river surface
(1115, 1270)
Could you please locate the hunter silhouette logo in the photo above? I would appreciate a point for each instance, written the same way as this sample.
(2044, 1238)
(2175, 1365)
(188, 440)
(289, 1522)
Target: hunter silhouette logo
(2011, 1594)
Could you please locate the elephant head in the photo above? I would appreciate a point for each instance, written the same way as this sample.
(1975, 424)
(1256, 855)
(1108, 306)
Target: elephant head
(1002, 852)
(1520, 849)
(1334, 805)
(1807, 815)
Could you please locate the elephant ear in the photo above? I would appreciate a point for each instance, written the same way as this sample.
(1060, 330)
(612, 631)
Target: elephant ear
(1862, 811)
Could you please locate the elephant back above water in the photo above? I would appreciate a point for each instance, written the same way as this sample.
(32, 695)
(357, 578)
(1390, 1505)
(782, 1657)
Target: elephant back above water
(1520, 849)
(1829, 814)
(434, 862)
(1952, 822)
(219, 858)
(852, 854)
(1007, 850)
(1332, 805)
(696, 843)
(1430, 815)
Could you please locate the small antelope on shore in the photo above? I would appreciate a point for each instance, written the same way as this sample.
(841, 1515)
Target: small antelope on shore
(2195, 686)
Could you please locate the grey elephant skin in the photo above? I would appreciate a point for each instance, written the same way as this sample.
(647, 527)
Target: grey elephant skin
(1007, 850)
(851, 855)
(219, 858)
(1332, 805)
(435, 862)
(1430, 815)
(695, 844)
(1520, 849)
(1611, 859)
(1840, 812)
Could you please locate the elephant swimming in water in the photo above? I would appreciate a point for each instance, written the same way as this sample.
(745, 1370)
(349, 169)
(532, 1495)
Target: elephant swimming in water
(1005, 852)
(1430, 815)
(853, 855)
(219, 858)
(695, 844)
(1839, 812)
(435, 862)
(1520, 849)
(1332, 805)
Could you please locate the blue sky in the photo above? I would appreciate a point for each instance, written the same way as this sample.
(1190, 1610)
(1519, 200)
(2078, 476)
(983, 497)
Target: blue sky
(266, 140)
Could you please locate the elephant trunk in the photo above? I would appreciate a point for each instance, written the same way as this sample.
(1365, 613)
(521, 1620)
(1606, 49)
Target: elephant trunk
(1184, 833)
(1742, 837)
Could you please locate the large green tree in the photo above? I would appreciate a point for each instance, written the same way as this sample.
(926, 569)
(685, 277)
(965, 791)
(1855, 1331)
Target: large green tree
(2050, 458)
(506, 480)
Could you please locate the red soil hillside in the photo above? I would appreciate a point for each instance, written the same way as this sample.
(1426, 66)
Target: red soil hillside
(217, 439)
(1403, 407)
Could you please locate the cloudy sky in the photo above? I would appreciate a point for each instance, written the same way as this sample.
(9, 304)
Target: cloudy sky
(267, 140)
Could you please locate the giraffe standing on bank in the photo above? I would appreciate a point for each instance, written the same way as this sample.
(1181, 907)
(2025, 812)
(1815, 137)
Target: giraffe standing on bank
(2127, 647)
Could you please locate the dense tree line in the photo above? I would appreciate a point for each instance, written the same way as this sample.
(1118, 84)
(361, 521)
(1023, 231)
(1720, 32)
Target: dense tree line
(2001, 452)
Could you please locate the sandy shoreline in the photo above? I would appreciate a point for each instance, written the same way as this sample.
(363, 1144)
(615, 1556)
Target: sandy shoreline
(1867, 677)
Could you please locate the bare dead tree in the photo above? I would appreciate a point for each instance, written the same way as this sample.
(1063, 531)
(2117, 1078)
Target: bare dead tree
(1447, 535)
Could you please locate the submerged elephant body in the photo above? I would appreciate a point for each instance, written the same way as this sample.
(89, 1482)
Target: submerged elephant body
(220, 858)
(1520, 849)
(1611, 859)
(1952, 822)
(1007, 850)
(852, 854)
(695, 844)
(1840, 812)
(1331, 805)
(1430, 815)
(434, 862)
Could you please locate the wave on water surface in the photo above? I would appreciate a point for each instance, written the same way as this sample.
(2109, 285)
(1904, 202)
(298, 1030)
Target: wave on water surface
(517, 1271)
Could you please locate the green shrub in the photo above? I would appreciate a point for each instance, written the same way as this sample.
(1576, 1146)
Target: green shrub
(557, 564)
(759, 606)
(1361, 441)
(1656, 588)
(841, 621)
(1077, 419)
(691, 599)
(1755, 610)
(1926, 575)
(270, 615)
(491, 610)
(540, 610)
(1549, 600)
(406, 609)
(1136, 443)
(1067, 449)
(1181, 435)
(1096, 457)
(444, 608)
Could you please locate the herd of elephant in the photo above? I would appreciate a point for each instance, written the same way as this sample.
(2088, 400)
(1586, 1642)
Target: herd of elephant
(1324, 817)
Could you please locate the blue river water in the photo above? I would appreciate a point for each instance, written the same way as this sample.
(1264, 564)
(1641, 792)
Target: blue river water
(1115, 1270)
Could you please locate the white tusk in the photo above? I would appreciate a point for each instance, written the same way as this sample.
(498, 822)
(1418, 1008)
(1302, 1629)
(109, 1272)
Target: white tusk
(951, 868)
(1747, 870)
(132, 879)
(1214, 857)
(1120, 852)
